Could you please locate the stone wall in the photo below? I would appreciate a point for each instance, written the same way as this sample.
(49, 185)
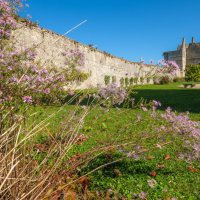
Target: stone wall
(49, 47)
(193, 54)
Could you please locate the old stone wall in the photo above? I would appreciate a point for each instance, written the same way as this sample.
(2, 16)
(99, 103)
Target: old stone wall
(193, 54)
(49, 47)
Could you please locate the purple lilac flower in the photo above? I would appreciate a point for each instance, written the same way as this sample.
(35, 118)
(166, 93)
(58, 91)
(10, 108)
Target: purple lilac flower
(27, 99)
(10, 68)
(188, 130)
(47, 91)
(26, 78)
(156, 103)
(112, 91)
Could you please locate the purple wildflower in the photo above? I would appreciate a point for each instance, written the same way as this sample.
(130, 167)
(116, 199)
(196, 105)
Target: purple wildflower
(27, 99)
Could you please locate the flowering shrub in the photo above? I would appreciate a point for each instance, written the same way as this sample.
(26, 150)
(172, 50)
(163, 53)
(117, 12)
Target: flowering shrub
(113, 94)
(169, 67)
(165, 72)
(187, 130)
(75, 60)
(21, 77)
(7, 19)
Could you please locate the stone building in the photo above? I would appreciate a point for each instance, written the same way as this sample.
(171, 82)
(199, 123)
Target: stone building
(186, 54)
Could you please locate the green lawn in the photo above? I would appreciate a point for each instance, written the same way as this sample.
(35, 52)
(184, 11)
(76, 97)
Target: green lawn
(180, 99)
(129, 177)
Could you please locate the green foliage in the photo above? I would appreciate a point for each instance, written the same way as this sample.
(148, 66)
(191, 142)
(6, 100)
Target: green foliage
(114, 79)
(148, 80)
(106, 79)
(178, 79)
(122, 82)
(135, 80)
(126, 82)
(164, 80)
(192, 73)
(141, 79)
(131, 81)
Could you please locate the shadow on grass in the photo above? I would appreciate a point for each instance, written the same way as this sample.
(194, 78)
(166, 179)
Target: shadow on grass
(180, 100)
(125, 167)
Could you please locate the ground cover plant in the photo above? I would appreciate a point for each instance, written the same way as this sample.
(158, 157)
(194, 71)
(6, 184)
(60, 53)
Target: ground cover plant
(104, 144)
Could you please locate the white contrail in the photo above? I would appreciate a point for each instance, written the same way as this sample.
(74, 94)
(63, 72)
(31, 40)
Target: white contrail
(72, 29)
(75, 27)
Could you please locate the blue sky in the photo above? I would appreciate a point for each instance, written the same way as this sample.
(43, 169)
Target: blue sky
(131, 29)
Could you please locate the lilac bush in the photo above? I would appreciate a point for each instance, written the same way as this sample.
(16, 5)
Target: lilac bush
(166, 71)
(113, 94)
(7, 20)
(21, 76)
(185, 129)
(75, 60)
(169, 67)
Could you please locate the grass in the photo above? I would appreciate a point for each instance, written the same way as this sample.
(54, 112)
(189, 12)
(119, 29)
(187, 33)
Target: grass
(180, 99)
(128, 177)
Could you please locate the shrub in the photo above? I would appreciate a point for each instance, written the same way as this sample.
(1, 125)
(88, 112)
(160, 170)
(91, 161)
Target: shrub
(192, 73)
(131, 81)
(135, 80)
(164, 80)
(107, 79)
(141, 79)
(114, 80)
(126, 81)
(178, 79)
(122, 82)
(148, 80)
(156, 80)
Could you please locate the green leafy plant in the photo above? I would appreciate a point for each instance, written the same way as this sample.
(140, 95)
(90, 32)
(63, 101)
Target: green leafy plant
(192, 73)
(106, 79)
(135, 80)
(131, 81)
(142, 80)
(114, 79)
(148, 80)
(122, 82)
(164, 80)
(126, 81)
(178, 79)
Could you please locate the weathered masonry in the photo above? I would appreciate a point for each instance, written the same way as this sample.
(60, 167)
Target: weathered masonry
(49, 47)
(186, 54)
